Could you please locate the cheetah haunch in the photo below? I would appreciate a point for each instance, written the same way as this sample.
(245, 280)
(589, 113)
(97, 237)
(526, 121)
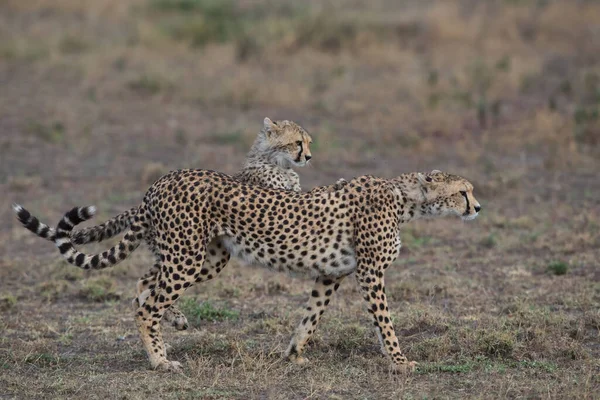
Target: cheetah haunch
(199, 218)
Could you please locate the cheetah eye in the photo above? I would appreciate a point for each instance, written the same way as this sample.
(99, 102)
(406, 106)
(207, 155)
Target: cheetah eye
(463, 193)
(299, 143)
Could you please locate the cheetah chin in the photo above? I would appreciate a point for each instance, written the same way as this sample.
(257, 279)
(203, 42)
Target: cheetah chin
(469, 217)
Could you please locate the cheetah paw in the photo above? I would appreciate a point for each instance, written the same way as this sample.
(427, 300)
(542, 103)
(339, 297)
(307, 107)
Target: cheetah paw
(180, 323)
(169, 366)
(298, 360)
(406, 368)
(177, 320)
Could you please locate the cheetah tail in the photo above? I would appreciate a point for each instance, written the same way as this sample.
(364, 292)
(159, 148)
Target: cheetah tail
(105, 259)
(106, 230)
(33, 223)
(96, 233)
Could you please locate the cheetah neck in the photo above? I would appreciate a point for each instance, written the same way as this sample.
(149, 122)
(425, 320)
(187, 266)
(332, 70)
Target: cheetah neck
(410, 197)
(261, 154)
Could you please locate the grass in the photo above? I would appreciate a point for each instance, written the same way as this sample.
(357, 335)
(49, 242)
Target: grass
(148, 84)
(102, 98)
(53, 132)
(486, 366)
(205, 311)
(99, 289)
(558, 267)
(42, 360)
(7, 302)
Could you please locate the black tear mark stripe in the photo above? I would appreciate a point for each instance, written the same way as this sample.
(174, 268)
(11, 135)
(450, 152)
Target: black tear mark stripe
(299, 158)
(468, 203)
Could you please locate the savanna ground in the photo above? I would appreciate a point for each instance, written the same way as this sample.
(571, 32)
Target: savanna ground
(99, 98)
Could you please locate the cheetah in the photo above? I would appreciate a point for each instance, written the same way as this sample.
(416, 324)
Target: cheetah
(279, 146)
(199, 218)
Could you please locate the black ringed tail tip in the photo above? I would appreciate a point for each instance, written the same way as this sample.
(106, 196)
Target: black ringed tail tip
(22, 214)
(74, 217)
(33, 224)
(107, 258)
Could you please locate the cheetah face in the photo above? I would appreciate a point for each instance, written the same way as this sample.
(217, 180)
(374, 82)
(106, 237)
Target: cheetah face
(290, 142)
(447, 194)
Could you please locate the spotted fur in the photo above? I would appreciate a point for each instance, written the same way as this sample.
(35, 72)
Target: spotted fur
(278, 147)
(198, 218)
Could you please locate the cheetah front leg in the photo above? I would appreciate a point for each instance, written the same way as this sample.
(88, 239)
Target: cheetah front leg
(371, 283)
(319, 299)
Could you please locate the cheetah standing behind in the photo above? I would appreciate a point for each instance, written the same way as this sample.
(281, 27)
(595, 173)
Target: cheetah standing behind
(279, 146)
(198, 218)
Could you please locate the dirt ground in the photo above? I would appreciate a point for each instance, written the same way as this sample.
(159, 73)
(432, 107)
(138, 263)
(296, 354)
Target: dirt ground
(99, 98)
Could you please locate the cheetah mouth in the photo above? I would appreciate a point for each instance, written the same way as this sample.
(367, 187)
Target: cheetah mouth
(469, 217)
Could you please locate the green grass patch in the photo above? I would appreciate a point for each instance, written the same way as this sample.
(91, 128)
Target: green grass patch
(42, 359)
(490, 241)
(7, 302)
(205, 311)
(99, 289)
(209, 393)
(482, 363)
(458, 368)
(496, 344)
(558, 267)
(52, 133)
(72, 45)
(53, 289)
(413, 238)
(229, 138)
(200, 22)
(148, 84)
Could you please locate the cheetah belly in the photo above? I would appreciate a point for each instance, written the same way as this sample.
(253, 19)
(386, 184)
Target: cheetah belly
(343, 264)
(236, 249)
(339, 262)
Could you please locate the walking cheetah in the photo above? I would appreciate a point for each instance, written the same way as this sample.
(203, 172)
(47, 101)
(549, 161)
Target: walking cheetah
(278, 147)
(198, 218)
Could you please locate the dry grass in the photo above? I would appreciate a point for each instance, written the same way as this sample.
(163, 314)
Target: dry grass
(100, 98)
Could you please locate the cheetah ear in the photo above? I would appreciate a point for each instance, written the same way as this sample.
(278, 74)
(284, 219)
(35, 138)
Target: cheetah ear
(270, 127)
(268, 123)
(436, 171)
(424, 180)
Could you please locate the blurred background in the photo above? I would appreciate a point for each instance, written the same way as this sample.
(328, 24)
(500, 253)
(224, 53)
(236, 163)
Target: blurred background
(100, 98)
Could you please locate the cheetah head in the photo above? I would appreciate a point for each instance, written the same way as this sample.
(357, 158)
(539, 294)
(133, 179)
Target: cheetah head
(289, 142)
(447, 194)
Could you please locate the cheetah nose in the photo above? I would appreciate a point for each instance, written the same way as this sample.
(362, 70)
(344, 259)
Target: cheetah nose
(477, 208)
(308, 157)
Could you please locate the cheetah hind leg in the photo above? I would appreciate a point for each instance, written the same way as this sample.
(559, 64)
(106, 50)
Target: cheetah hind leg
(207, 265)
(216, 259)
(145, 284)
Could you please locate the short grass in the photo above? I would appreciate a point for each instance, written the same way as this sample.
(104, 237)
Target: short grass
(99, 99)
